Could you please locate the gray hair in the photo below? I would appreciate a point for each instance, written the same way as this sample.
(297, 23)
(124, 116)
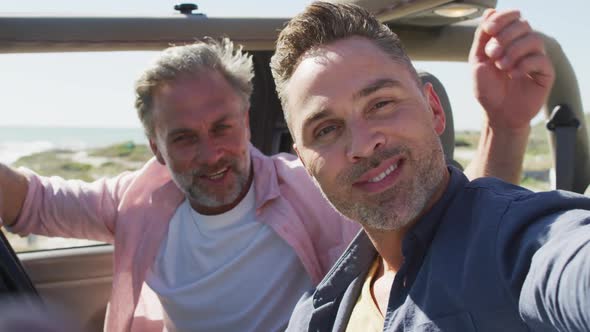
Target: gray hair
(322, 23)
(234, 65)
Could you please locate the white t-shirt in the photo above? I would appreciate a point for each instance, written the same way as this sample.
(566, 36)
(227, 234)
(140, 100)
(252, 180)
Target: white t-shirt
(226, 272)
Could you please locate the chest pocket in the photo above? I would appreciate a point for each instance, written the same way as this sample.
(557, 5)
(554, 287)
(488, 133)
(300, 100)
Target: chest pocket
(457, 322)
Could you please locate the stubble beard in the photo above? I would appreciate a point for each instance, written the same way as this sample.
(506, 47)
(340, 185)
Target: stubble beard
(191, 185)
(398, 206)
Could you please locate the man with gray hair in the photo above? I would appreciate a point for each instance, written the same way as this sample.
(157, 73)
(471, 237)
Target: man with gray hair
(211, 234)
(437, 252)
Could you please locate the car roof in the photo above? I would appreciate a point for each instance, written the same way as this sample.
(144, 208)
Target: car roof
(63, 33)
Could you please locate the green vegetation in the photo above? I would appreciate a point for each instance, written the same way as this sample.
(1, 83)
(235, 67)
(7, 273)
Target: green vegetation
(466, 139)
(56, 162)
(534, 183)
(537, 161)
(127, 150)
(88, 165)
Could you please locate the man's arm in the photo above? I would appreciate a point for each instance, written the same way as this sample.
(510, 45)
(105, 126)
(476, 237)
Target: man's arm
(13, 190)
(513, 77)
(500, 153)
(543, 253)
(53, 206)
(556, 291)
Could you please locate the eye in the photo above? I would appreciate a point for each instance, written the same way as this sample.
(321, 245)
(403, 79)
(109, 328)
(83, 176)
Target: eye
(179, 138)
(323, 131)
(221, 128)
(183, 138)
(382, 104)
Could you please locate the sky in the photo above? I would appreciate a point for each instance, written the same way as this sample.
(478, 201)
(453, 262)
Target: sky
(96, 89)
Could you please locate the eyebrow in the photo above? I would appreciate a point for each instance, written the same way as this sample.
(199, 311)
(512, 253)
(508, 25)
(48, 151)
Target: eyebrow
(177, 131)
(376, 86)
(364, 92)
(181, 130)
(223, 118)
(315, 117)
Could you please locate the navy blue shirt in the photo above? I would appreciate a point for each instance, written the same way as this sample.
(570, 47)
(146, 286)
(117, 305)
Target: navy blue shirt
(489, 256)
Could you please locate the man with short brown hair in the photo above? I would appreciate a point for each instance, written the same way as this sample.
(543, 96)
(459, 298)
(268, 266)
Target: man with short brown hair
(210, 234)
(437, 252)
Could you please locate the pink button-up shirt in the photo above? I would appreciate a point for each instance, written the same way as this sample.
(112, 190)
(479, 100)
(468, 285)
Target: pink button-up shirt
(133, 211)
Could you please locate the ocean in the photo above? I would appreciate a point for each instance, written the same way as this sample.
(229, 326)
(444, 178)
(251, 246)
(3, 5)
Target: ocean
(16, 142)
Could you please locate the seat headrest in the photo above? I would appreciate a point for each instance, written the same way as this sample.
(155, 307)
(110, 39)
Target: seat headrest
(448, 136)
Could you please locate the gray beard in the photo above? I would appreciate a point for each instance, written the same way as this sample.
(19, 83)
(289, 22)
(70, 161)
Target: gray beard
(200, 196)
(398, 206)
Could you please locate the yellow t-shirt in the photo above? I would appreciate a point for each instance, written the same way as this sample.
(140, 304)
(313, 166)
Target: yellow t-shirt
(365, 316)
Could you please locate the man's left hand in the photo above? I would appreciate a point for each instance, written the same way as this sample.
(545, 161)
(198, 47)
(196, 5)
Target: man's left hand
(513, 75)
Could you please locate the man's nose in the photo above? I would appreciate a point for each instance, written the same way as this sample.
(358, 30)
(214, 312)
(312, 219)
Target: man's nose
(364, 141)
(208, 152)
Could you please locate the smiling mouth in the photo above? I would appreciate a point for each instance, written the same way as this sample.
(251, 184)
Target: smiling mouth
(383, 174)
(217, 175)
(373, 182)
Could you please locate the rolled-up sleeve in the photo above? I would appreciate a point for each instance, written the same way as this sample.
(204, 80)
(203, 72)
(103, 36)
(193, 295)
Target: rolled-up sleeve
(71, 208)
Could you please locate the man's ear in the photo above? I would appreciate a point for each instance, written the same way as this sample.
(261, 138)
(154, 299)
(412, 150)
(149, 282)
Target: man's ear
(438, 113)
(156, 151)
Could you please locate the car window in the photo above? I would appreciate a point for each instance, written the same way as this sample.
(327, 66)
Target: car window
(70, 115)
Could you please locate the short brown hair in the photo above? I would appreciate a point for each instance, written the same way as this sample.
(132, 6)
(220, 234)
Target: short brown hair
(322, 23)
(193, 59)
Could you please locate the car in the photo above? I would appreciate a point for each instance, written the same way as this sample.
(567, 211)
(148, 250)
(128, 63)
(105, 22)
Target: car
(79, 279)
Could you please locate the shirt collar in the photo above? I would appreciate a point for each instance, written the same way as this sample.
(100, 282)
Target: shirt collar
(266, 185)
(353, 264)
(359, 255)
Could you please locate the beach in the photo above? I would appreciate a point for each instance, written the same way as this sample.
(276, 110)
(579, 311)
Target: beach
(72, 153)
(20, 141)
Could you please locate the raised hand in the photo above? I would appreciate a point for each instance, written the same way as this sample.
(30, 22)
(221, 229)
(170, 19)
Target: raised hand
(513, 75)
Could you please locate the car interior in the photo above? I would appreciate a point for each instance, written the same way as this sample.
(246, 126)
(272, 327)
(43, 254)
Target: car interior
(79, 279)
